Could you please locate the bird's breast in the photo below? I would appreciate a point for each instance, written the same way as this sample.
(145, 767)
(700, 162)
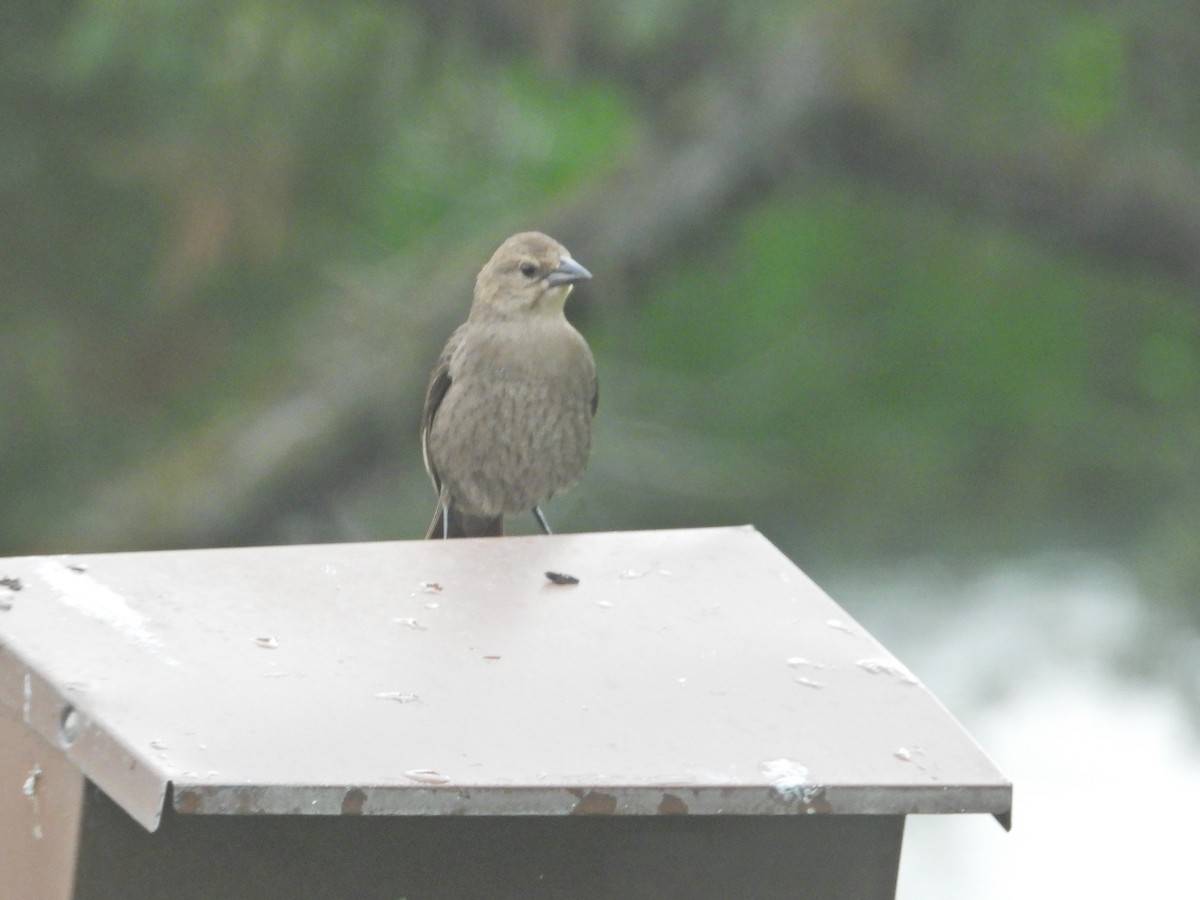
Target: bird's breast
(515, 425)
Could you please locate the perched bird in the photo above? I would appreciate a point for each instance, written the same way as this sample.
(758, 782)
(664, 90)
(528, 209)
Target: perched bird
(508, 413)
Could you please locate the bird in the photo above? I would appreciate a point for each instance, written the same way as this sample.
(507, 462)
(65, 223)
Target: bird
(507, 422)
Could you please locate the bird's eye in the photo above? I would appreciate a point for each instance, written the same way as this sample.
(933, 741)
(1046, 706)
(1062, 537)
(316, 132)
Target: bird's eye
(528, 269)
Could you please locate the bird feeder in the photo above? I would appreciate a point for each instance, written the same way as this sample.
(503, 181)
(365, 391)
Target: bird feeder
(693, 718)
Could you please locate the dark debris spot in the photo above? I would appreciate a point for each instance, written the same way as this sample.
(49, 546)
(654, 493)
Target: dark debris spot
(672, 805)
(561, 578)
(594, 803)
(13, 584)
(353, 802)
(189, 802)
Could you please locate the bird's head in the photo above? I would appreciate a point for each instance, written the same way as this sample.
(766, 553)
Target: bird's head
(530, 272)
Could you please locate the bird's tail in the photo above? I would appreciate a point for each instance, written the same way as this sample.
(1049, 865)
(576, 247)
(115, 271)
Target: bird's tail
(458, 524)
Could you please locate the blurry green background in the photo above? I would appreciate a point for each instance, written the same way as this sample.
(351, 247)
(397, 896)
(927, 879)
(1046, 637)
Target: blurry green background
(911, 285)
(887, 278)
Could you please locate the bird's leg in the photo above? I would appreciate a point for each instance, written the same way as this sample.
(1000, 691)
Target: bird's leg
(445, 521)
(541, 520)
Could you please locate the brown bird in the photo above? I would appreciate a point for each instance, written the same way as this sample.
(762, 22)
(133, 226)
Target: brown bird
(508, 415)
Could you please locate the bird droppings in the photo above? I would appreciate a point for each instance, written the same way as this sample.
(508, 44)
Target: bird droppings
(13, 584)
(809, 682)
(641, 573)
(409, 622)
(887, 667)
(429, 587)
(913, 755)
(789, 779)
(431, 604)
(491, 657)
(5, 603)
(426, 776)
(268, 642)
(607, 604)
(77, 567)
(397, 696)
(29, 788)
(797, 661)
(211, 773)
(561, 578)
(839, 625)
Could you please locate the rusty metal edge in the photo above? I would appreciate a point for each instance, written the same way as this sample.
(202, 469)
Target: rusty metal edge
(440, 800)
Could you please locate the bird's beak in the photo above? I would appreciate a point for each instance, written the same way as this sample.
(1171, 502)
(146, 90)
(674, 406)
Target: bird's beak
(568, 272)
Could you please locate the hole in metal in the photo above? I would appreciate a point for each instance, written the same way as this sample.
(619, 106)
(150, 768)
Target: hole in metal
(70, 723)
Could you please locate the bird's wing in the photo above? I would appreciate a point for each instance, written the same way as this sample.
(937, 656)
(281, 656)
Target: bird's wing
(439, 383)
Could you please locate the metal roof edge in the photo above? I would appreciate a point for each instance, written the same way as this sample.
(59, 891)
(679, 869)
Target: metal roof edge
(133, 781)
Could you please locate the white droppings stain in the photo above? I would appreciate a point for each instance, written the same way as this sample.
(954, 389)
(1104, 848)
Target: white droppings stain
(84, 594)
(398, 696)
(268, 642)
(887, 667)
(426, 776)
(797, 661)
(627, 574)
(29, 788)
(840, 625)
(914, 755)
(809, 682)
(789, 779)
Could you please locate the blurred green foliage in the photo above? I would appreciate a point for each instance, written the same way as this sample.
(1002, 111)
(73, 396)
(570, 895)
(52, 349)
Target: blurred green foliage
(958, 379)
(860, 365)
